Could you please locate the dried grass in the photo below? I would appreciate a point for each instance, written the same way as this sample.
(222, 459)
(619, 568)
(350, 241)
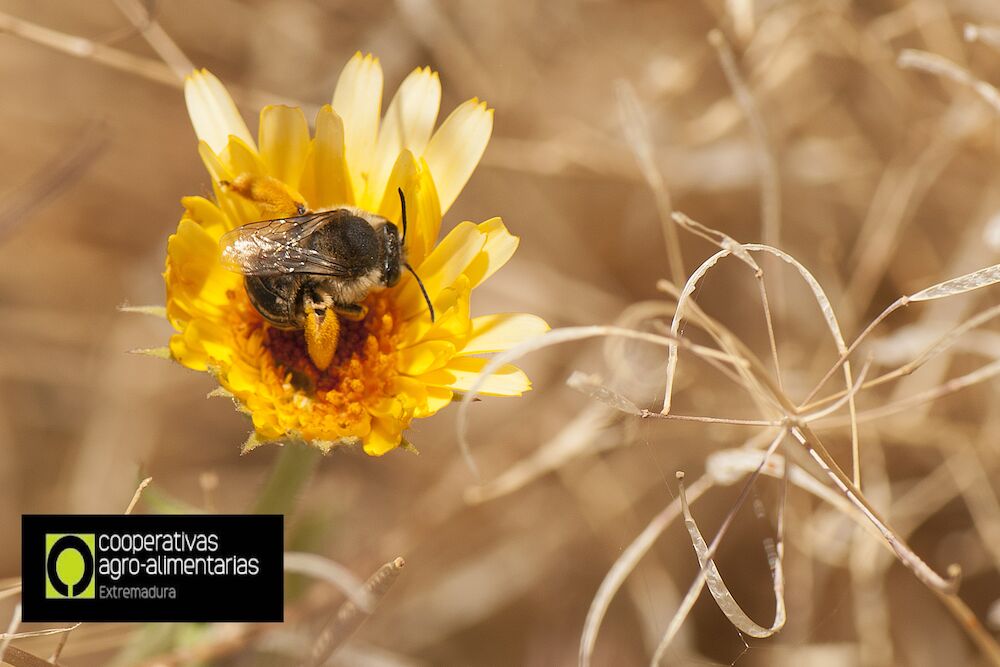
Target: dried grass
(842, 153)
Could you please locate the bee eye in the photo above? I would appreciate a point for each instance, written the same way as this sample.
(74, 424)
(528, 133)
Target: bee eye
(391, 251)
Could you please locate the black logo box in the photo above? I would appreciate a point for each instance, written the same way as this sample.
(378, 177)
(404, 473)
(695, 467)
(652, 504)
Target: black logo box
(199, 598)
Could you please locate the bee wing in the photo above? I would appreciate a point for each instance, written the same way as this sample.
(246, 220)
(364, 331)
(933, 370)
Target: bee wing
(272, 247)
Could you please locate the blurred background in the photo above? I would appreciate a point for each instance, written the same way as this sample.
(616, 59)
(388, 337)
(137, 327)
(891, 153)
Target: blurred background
(880, 179)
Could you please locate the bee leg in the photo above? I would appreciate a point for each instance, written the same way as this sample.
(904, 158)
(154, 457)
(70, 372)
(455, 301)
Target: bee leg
(351, 311)
(272, 197)
(321, 335)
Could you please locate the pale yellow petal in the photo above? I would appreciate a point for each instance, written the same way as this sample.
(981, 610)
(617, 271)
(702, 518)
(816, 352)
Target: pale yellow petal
(451, 320)
(461, 373)
(456, 148)
(284, 142)
(426, 220)
(497, 250)
(325, 180)
(492, 333)
(407, 124)
(216, 168)
(424, 357)
(358, 101)
(404, 177)
(237, 209)
(423, 213)
(442, 267)
(213, 113)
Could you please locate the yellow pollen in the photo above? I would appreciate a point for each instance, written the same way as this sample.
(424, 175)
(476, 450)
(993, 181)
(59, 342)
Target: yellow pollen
(359, 376)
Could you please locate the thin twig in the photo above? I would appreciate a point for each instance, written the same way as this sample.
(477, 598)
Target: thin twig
(767, 160)
(941, 66)
(349, 616)
(636, 126)
(137, 495)
(157, 37)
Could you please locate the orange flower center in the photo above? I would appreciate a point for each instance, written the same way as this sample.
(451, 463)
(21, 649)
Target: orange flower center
(364, 365)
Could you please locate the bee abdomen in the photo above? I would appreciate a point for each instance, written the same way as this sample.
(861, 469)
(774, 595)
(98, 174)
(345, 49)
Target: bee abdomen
(276, 298)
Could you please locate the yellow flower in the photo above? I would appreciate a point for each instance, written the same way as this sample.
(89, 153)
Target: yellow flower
(395, 364)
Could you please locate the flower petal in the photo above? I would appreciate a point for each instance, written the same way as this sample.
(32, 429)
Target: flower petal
(385, 436)
(358, 100)
(242, 158)
(492, 333)
(438, 398)
(462, 373)
(423, 213)
(284, 142)
(498, 249)
(213, 113)
(407, 124)
(424, 357)
(456, 148)
(325, 179)
(206, 214)
(451, 320)
(442, 267)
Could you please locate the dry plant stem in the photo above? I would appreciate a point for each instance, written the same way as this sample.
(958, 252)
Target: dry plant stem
(981, 374)
(682, 300)
(81, 47)
(728, 342)
(156, 37)
(636, 126)
(982, 33)
(725, 242)
(770, 329)
(332, 572)
(896, 305)
(582, 434)
(816, 448)
(556, 337)
(137, 495)
(767, 161)
(15, 620)
(595, 389)
(717, 587)
(627, 562)
(349, 616)
(701, 579)
(55, 177)
(828, 464)
(63, 638)
(941, 66)
(741, 251)
(978, 495)
(724, 468)
(821, 456)
(20, 658)
(940, 345)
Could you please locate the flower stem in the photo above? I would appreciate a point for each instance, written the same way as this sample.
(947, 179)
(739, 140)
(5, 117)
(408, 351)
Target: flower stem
(293, 468)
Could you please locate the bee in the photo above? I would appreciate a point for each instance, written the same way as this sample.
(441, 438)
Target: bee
(323, 262)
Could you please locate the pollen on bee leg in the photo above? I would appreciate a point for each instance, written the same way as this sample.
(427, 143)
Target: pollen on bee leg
(273, 197)
(321, 337)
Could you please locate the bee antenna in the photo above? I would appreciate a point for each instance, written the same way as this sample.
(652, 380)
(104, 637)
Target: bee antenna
(402, 204)
(423, 290)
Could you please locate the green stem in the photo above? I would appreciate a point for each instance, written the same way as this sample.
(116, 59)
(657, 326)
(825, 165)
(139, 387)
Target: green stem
(292, 471)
